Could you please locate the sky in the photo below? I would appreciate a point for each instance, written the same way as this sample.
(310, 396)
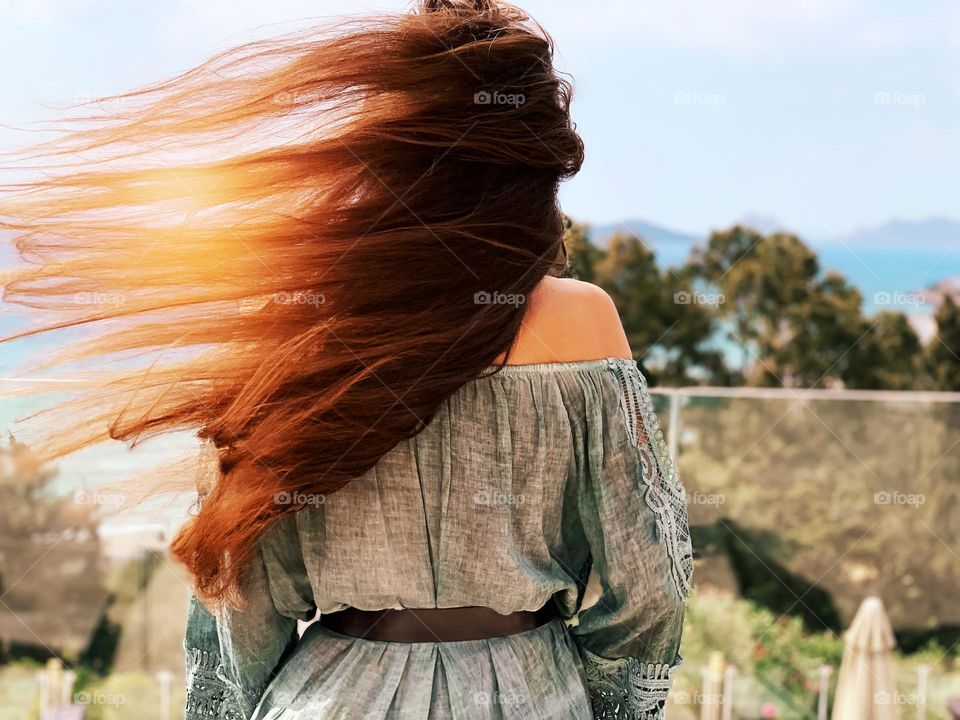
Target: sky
(828, 115)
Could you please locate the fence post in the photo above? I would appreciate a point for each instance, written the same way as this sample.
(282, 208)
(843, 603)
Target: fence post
(674, 425)
(922, 672)
(824, 691)
(69, 679)
(727, 710)
(165, 678)
(712, 693)
(43, 687)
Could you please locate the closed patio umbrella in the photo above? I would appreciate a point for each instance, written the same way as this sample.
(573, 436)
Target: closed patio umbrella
(865, 686)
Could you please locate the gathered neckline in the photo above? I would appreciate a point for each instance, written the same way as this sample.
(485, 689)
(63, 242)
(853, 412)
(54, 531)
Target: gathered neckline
(559, 366)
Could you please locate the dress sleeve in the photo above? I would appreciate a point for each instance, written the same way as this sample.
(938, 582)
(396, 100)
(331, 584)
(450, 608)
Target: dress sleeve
(633, 512)
(232, 656)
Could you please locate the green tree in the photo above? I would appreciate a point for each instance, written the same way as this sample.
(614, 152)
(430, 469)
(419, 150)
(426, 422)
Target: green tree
(668, 330)
(820, 335)
(943, 352)
(888, 357)
(765, 281)
(46, 542)
(795, 326)
(582, 254)
(28, 506)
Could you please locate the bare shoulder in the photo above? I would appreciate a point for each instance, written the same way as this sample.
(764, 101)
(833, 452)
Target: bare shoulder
(569, 320)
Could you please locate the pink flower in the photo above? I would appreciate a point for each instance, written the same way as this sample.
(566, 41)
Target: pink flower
(769, 711)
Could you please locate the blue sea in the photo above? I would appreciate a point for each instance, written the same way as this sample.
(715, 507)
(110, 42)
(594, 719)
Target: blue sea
(883, 274)
(891, 270)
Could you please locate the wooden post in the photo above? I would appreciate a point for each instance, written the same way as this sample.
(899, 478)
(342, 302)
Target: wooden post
(69, 679)
(673, 439)
(824, 691)
(710, 700)
(43, 688)
(165, 678)
(922, 672)
(728, 674)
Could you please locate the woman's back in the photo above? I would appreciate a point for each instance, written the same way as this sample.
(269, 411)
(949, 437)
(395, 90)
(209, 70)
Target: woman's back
(478, 509)
(523, 481)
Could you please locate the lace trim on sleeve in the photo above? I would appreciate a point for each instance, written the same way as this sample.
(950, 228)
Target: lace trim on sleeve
(627, 689)
(665, 494)
(208, 696)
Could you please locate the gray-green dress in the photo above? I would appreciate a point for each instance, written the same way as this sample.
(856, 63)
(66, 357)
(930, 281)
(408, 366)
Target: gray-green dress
(523, 482)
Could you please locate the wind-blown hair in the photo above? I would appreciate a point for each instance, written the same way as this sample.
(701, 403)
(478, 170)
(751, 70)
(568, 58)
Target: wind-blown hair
(312, 240)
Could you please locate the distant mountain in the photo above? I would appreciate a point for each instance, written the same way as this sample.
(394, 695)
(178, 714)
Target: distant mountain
(673, 247)
(659, 235)
(939, 232)
(765, 224)
(654, 234)
(931, 232)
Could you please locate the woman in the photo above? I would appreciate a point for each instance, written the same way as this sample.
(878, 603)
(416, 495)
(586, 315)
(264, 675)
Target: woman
(338, 253)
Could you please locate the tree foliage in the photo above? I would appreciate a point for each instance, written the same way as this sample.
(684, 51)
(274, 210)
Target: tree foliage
(46, 541)
(757, 309)
(943, 355)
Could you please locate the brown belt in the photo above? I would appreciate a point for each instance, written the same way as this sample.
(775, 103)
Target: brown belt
(435, 624)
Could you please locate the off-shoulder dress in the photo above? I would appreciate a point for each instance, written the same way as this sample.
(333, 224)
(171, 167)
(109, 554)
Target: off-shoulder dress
(523, 482)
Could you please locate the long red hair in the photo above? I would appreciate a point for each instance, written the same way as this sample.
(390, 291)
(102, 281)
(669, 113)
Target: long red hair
(313, 241)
